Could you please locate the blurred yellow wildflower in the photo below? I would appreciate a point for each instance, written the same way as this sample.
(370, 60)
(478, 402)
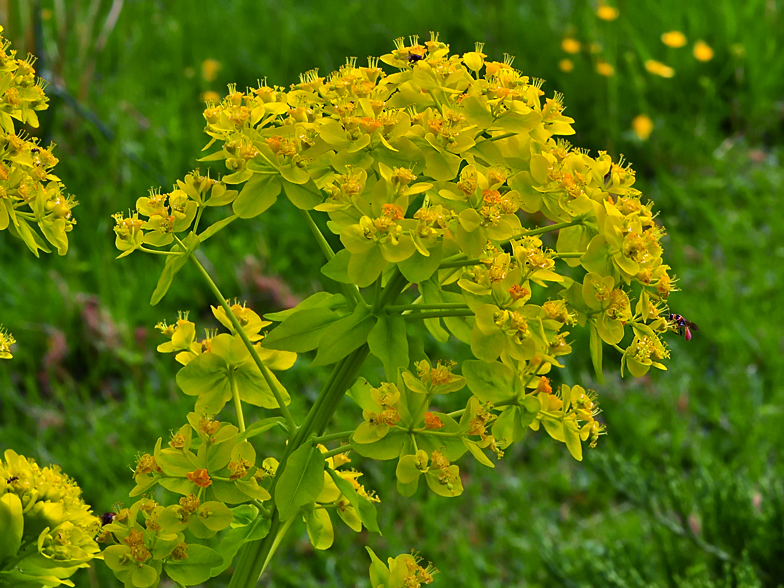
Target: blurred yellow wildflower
(702, 51)
(606, 12)
(209, 69)
(570, 45)
(566, 65)
(674, 39)
(6, 340)
(211, 97)
(595, 48)
(605, 69)
(659, 69)
(642, 125)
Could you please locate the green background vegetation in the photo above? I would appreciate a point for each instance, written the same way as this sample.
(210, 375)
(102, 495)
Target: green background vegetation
(686, 490)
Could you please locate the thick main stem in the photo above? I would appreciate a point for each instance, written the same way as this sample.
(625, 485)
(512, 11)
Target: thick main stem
(254, 557)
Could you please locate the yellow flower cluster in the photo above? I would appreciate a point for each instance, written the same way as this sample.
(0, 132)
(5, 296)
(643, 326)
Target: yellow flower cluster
(30, 194)
(46, 530)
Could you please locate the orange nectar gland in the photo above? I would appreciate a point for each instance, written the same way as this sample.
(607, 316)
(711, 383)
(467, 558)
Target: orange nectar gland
(200, 477)
(432, 421)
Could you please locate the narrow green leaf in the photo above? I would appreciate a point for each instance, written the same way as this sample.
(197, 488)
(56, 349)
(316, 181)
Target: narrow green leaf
(346, 335)
(301, 480)
(174, 263)
(596, 351)
(365, 508)
(388, 342)
(302, 331)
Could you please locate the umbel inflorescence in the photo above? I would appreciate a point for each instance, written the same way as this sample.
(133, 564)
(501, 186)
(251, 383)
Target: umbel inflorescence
(457, 205)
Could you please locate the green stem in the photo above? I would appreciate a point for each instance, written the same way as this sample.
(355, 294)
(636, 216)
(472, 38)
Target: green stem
(578, 220)
(320, 239)
(235, 392)
(443, 306)
(332, 437)
(278, 538)
(266, 374)
(337, 451)
(437, 314)
(156, 252)
(460, 263)
(569, 254)
(254, 556)
(349, 290)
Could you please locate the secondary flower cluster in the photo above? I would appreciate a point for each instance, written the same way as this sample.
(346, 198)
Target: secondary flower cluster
(30, 194)
(47, 529)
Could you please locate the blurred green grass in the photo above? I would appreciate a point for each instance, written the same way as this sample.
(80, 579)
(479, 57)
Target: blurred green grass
(684, 491)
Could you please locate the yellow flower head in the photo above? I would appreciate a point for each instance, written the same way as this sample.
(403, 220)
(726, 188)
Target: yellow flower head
(642, 125)
(702, 51)
(607, 13)
(605, 69)
(6, 340)
(566, 65)
(570, 45)
(659, 69)
(209, 69)
(674, 39)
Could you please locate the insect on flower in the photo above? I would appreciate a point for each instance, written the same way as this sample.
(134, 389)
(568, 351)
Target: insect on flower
(107, 518)
(682, 326)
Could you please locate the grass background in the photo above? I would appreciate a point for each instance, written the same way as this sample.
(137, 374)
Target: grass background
(684, 491)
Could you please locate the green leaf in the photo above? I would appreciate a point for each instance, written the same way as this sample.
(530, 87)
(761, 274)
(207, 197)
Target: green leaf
(320, 529)
(143, 576)
(419, 268)
(261, 426)
(302, 331)
(174, 263)
(257, 195)
(337, 267)
(490, 382)
(322, 299)
(196, 568)
(346, 335)
(12, 523)
(388, 447)
(387, 341)
(365, 508)
(379, 573)
(305, 195)
(217, 226)
(596, 351)
(301, 481)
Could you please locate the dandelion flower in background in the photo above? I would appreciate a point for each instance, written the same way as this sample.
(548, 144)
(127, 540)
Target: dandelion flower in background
(605, 69)
(566, 65)
(702, 51)
(642, 125)
(674, 39)
(607, 12)
(211, 97)
(209, 69)
(6, 340)
(659, 69)
(570, 45)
